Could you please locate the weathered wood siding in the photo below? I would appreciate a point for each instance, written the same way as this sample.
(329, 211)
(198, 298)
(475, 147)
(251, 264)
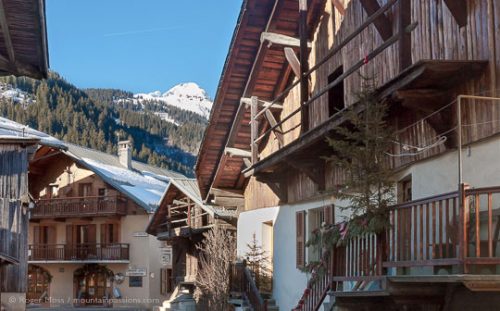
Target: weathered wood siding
(13, 217)
(437, 36)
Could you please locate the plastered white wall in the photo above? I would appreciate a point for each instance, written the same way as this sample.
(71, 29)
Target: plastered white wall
(251, 222)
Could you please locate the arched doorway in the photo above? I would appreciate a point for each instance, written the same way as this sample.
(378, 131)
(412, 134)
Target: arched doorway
(38, 284)
(92, 284)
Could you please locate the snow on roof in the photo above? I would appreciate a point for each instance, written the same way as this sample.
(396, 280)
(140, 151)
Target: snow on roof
(144, 187)
(11, 129)
(145, 184)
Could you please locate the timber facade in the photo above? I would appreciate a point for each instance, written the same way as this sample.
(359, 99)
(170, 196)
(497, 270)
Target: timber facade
(180, 223)
(23, 52)
(290, 74)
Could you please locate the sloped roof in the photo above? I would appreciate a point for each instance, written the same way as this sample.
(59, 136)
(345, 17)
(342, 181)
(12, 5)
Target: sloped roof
(13, 130)
(189, 187)
(145, 184)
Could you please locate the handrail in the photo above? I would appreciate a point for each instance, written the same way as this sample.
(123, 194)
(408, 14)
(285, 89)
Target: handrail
(80, 197)
(243, 281)
(76, 206)
(78, 252)
(334, 51)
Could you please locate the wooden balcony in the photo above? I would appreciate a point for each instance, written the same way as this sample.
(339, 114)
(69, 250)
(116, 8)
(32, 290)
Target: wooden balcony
(83, 252)
(79, 207)
(440, 236)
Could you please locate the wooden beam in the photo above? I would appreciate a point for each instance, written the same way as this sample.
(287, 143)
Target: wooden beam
(265, 104)
(382, 23)
(339, 6)
(6, 33)
(235, 152)
(405, 61)
(254, 129)
(229, 201)
(304, 65)
(281, 40)
(293, 61)
(277, 131)
(226, 192)
(458, 8)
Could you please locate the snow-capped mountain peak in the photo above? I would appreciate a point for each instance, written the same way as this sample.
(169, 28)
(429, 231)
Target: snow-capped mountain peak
(187, 96)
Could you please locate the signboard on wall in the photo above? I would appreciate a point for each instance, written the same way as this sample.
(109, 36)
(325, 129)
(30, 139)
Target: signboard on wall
(140, 234)
(166, 256)
(136, 272)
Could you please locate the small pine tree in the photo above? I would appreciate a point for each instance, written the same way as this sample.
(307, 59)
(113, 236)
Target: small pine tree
(360, 151)
(258, 262)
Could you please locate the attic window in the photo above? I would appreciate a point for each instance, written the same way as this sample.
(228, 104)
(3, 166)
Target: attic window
(336, 94)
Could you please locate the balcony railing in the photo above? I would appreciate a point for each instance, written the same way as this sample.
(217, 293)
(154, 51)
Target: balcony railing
(79, 207)
(447, 231)
(80, 252)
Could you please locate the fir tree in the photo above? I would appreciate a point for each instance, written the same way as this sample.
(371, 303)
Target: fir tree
(259, 264)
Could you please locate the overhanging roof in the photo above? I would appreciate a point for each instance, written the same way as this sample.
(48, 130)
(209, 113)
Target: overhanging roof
(23, 38)
(189, 188)
(252, 68)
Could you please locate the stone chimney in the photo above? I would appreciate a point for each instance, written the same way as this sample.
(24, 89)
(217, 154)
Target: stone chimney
(125, 153)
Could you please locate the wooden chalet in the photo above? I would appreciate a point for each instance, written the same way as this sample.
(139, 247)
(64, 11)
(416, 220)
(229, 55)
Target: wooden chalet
(180, 222)
(23, 52)
(292, 69)
(86, 229)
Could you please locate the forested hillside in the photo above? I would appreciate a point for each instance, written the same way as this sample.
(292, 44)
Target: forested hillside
(96, 119)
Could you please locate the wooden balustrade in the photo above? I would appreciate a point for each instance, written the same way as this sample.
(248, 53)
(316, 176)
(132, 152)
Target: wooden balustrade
(79, 207)
(481, 227)
(80, 252)
(425, 232)
(243, 282)
(432, 231)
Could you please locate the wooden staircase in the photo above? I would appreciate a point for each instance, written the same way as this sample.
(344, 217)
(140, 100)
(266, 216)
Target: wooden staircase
(244, 292)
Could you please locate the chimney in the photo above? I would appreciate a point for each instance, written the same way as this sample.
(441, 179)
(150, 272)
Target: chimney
(125, 153)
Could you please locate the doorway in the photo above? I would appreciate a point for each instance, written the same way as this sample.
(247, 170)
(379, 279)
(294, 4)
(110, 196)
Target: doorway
(93, 284)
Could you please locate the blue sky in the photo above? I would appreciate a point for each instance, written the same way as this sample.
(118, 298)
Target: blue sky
(140, 45)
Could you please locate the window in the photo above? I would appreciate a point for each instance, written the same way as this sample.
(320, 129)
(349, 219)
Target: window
(404, 190)
(306, 223)
(109, 233)
(300, 229)
(85, 189)
(336, 94)
(135, 281)
(315, 218)
(102, 192)
(166, 284)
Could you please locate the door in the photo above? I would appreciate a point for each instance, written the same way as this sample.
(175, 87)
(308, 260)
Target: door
(93, 284)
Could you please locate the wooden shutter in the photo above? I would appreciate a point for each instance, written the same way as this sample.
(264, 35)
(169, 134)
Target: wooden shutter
(92, 234)
(103, 239)
(69, 235)
(329, 212)
(51, 235)
(116, 233)
(300, 230)
(36, 235)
